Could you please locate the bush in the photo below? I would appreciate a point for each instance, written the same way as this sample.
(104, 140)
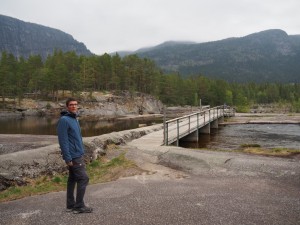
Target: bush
(56, 180)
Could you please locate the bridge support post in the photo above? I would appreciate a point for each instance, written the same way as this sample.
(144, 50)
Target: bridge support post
(214, 124)
(205, 129)
(221, 119)
(193, 137)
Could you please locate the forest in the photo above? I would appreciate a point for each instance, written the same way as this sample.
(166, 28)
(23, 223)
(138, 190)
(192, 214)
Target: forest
(63, 71)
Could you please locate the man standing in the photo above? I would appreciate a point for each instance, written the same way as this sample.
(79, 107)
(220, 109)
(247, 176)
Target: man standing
(70, 141)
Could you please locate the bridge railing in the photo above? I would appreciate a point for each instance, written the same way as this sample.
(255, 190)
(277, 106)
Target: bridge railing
(175, 129)
(229, 111)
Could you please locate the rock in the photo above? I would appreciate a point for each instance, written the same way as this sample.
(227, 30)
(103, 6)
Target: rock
(16, 167)
(41, 39)
(6, 180)
(97, 104)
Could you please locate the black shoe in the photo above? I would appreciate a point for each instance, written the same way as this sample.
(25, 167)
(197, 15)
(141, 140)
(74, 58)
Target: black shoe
(69, 209)
(82, 210)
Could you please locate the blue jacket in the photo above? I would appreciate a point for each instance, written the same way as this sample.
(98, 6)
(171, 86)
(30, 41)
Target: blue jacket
(69, 136)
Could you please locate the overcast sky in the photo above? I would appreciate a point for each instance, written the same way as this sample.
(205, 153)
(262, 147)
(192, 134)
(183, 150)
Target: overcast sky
(115, 25)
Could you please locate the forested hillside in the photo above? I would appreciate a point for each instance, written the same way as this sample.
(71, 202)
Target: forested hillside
(256, 69)
(68, 71)
(267, 56)
(24, 39)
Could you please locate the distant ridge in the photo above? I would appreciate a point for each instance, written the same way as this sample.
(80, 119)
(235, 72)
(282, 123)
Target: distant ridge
(266, 56)
(24, 39)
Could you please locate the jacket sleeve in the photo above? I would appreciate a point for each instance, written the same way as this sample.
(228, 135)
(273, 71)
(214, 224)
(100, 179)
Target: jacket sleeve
(63, 139)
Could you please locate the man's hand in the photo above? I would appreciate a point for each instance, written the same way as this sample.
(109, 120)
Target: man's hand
(70, 163)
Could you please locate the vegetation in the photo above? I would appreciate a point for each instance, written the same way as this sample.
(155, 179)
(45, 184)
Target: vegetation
(20, 77)
(250, 145)
(256, 149)
(270, 152)
(99, 171)
(263, 57)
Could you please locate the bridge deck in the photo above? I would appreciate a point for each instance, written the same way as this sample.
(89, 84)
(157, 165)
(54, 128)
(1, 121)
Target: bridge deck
(183, 126)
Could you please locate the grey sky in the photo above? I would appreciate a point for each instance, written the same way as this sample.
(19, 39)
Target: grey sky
(115, 25)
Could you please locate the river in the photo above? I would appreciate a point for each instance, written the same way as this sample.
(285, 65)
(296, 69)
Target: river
(225, 137)
(89, 127)
(230, 137)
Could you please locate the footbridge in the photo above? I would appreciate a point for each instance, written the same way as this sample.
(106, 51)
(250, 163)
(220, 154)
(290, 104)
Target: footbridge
(189, 127)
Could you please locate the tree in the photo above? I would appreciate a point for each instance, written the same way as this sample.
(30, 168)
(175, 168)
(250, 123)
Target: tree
(87, 74)
(8, 69)
(241, 103)
(31, 74)
(229, 97)
(57, 73)
(105, 72)
(116, 73)
(72, 64)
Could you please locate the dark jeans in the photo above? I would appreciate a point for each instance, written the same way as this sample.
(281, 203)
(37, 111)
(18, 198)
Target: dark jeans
(77, 175)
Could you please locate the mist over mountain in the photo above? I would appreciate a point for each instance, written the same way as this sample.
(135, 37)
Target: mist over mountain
(24, 39)
(266, 56)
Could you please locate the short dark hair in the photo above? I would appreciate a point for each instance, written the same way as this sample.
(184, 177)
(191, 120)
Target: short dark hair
(70, 100)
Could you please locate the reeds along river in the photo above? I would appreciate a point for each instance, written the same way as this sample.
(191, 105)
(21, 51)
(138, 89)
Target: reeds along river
(231, 137)
(225, 137)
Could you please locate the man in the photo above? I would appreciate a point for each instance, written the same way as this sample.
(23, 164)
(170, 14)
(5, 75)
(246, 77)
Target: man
(70, 141)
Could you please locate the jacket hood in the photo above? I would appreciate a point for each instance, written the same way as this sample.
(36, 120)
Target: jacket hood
(67, 113)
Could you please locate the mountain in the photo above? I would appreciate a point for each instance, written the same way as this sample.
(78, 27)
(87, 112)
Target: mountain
(24, 39)
(266, 56)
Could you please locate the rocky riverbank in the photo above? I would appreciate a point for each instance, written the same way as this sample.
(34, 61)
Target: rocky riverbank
(32, 155)
(90, 104)
(15, 167)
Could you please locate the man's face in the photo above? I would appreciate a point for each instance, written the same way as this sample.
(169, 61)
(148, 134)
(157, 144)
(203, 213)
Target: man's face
(73, 106)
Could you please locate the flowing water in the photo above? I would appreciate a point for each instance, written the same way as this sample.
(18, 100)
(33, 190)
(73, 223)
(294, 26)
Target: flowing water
(233, 136)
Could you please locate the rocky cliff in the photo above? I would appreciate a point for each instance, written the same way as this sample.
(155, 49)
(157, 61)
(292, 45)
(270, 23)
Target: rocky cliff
(24, 39)
(98, 104)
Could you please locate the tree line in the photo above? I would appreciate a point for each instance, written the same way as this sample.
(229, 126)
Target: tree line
(66, 71)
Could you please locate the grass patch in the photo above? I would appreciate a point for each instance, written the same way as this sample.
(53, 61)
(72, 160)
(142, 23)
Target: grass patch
(256, 149)
(250, 145)
(111, 170)
(99, 171)
(271, 151)
(41, 185)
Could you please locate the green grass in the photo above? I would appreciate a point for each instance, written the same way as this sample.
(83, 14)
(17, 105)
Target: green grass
(271, 152)
(256, 149)
(99, 171)
(250, 145)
